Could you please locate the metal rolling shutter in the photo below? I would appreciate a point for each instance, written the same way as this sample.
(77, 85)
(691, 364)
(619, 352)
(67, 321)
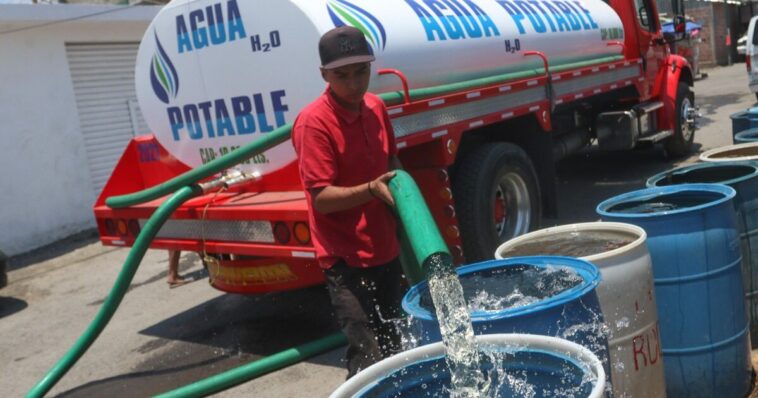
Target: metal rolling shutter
(103, 79)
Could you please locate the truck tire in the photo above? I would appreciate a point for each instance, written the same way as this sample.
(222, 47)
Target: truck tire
(680, 144)
(497, 197)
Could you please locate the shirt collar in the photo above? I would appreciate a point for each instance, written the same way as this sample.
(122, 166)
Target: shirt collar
(342, 112)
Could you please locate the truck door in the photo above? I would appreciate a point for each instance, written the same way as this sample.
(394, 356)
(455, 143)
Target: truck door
(653, 49)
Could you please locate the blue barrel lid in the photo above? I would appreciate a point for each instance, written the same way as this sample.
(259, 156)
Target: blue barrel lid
(726, 192)
(744, 170)
(590, 279)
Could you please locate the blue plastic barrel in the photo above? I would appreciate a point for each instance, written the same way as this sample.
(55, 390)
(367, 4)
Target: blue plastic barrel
(537, 366)
(744, 120)
(694, 245)
(745, 136)
(573, 314)
(743, 177)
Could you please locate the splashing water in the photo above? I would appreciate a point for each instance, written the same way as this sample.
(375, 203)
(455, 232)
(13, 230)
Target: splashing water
(513, 287)
(475, 373)
(510, 373)
(455, 327)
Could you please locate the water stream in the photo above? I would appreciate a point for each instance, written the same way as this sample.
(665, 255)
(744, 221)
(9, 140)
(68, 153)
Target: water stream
(462, 354)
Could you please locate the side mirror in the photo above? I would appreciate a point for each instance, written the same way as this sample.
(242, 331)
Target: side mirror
(680, 27)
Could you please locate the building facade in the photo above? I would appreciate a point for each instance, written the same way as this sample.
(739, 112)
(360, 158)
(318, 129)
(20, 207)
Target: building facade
(68, 108)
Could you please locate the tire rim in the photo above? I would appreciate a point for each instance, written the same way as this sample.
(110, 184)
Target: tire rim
(512, 209)
(684, 121)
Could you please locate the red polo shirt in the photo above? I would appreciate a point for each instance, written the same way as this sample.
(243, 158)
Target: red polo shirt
(336, 146)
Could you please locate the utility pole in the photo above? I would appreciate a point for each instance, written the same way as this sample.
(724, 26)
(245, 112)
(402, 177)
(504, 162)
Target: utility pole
(728, 16)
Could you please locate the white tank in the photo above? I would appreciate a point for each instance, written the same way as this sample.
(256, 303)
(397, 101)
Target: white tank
(626, 294)
(213, 75)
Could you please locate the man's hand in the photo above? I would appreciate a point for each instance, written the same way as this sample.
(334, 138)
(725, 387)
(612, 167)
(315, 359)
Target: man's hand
(381, 190)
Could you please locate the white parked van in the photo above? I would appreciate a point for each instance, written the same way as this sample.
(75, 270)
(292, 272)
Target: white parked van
(751, 56)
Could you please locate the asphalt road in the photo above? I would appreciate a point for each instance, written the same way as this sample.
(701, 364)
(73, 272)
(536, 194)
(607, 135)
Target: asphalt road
(163, 338)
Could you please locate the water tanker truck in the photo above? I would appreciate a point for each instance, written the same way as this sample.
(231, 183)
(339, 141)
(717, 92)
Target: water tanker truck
(484, 97)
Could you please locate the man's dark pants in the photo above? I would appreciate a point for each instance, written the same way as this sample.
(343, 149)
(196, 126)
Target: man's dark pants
(365, 300)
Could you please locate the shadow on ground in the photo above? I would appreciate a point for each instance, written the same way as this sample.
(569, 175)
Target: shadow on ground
(220, 334)
(710, 108)
(601, 175)
(53, 250)
(11, 305)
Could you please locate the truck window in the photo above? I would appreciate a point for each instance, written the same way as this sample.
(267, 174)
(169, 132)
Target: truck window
(753, 32)
(644, 14)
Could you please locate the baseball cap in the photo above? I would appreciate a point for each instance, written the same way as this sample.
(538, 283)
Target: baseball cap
(343, 46)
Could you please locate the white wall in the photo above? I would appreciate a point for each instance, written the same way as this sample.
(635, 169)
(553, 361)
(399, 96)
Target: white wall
(44, 178)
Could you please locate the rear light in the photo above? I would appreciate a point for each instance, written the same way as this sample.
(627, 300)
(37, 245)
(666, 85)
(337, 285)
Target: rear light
(457, 252)
(302, 233)
(449, 211)
(442, 176)
(446, 194)
(110, 227)
(133, 227)
(453, 232)
(122, 228)
(748, 63)
(281, 233)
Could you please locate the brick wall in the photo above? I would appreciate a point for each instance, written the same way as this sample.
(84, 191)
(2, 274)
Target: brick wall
(702, 13)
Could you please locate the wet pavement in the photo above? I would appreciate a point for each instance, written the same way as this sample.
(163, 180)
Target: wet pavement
(163, 338)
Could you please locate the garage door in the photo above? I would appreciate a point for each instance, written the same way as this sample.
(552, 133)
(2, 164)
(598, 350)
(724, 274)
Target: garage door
(103, 78)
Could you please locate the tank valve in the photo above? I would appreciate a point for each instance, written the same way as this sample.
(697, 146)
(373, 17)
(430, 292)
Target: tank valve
(228, 179)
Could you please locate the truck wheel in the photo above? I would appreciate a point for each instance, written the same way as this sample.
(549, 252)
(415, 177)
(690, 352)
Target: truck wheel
(496, 197)
(680, 144)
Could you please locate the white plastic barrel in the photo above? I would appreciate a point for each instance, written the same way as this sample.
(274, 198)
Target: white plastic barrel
(541, 360)
(627, 299)
(212, 75)
(731, 153)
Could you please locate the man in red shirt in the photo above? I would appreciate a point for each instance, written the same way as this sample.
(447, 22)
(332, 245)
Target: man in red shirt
(345, 146)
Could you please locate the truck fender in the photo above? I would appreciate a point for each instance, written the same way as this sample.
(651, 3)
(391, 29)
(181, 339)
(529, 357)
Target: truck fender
(677, 71)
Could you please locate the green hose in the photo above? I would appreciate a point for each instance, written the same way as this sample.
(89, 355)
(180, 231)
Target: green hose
(118, 291)
(418, 224)
(420, 234)
(260, 367)
(426, 243)
(282, 134)
(217, 165)
(423, 238)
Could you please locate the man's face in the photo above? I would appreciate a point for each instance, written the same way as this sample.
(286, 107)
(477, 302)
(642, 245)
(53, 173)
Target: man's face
(349, 83)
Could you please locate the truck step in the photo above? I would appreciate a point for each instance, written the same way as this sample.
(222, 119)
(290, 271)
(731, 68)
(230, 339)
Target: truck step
(649, 107)
(657, 137)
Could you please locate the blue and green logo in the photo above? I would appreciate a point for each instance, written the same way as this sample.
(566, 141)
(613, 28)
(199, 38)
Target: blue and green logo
(163, 76)
(344, 13)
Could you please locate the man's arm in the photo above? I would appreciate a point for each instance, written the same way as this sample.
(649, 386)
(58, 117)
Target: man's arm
(330, 198)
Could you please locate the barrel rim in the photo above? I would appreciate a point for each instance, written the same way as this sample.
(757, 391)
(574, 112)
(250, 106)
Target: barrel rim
(706, 156)
(590, 279)
(588, 226)
(649, 193)
(751, 132)
(572, 352)
(653, 181)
